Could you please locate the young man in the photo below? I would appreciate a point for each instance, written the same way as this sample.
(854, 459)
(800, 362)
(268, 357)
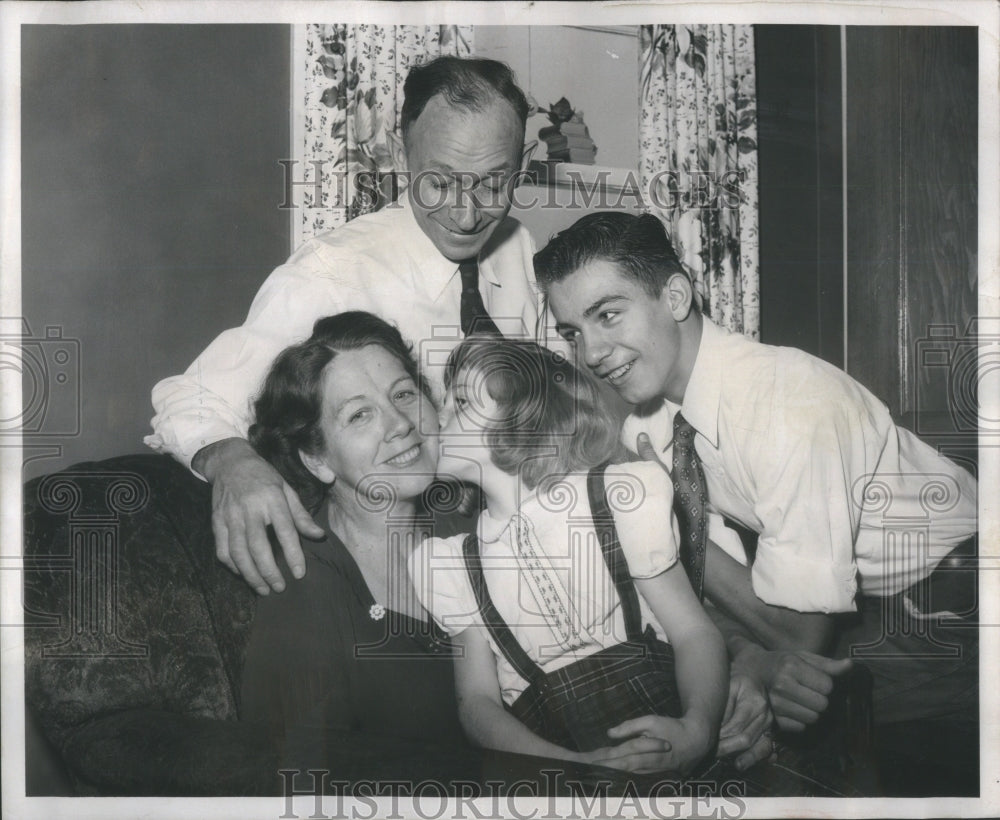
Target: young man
(852, 512)
(415, 264)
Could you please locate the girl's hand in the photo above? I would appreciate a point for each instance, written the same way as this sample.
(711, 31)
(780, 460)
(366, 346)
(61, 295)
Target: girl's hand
(639, 754)
(690, 739)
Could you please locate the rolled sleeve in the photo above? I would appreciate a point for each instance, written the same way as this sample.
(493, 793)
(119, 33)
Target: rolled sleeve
(182, 440)
(816, 450)
(783, 577)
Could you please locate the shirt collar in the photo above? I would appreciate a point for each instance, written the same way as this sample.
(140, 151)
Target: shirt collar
(487, 256)
(435, 271)
(439, 270)
(703, 395)
(492, 529)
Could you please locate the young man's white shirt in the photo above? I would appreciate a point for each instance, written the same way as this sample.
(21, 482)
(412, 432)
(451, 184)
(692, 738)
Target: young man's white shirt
(795, 449)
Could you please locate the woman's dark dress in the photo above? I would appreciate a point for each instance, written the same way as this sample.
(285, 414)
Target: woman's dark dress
(319, 662)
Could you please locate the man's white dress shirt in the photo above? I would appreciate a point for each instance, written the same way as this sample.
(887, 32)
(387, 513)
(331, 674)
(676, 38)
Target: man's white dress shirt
(382, 263)
(796, 450)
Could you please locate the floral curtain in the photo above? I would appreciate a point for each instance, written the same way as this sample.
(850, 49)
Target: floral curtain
(352, 91)
(698, 158)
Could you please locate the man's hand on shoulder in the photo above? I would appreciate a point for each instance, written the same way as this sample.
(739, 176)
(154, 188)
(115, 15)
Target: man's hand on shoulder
(248, 495)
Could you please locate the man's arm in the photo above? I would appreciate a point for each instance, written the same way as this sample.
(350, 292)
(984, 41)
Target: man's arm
(775, 647)
(819, 443)
(798, 679)
(728, 585)
(202, 418)
(211, 400)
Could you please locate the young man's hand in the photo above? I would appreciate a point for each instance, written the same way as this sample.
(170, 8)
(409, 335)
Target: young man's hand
(248, 495)
(747, 723)
(798, 682)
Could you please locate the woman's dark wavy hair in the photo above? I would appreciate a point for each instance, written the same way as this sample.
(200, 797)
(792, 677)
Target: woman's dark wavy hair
(289, 407)
(553, 418)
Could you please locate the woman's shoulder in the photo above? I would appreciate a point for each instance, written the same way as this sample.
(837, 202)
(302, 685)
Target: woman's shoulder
(325, 578)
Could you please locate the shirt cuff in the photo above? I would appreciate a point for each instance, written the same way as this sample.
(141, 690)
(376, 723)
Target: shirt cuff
(186, 448)
(781, 578)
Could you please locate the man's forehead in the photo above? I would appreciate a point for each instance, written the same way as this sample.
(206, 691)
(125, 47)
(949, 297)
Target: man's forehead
(580, 293)
(441, 105)
(594, 278)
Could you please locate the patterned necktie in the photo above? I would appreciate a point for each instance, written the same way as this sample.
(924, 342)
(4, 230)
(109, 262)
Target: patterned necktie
(690, 501)
(473, 312)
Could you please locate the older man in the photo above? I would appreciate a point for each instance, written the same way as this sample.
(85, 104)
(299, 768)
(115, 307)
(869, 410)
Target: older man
(417, 263)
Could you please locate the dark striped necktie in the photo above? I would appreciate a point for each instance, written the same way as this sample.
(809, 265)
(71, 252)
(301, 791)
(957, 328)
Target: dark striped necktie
(473, 313)
(690, 503)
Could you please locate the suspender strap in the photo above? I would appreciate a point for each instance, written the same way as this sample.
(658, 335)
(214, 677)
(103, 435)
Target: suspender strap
(614, 558)
(495, 624)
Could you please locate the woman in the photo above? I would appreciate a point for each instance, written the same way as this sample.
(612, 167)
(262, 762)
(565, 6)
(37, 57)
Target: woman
(346, 419)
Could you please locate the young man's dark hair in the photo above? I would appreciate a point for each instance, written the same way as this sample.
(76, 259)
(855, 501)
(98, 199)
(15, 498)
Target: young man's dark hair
(465, 83)
(638, 245)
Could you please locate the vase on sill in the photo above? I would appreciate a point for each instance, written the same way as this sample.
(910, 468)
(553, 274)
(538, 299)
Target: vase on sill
(567, 139)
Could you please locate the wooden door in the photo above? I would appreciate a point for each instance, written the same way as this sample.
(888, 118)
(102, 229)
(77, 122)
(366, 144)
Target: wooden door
(911, 154)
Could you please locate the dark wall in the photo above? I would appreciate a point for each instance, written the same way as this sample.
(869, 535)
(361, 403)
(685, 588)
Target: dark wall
(150, 188)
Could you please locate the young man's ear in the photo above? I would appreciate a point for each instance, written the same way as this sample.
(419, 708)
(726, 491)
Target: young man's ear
(680, 296)
(319, 468)
(397, 150)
